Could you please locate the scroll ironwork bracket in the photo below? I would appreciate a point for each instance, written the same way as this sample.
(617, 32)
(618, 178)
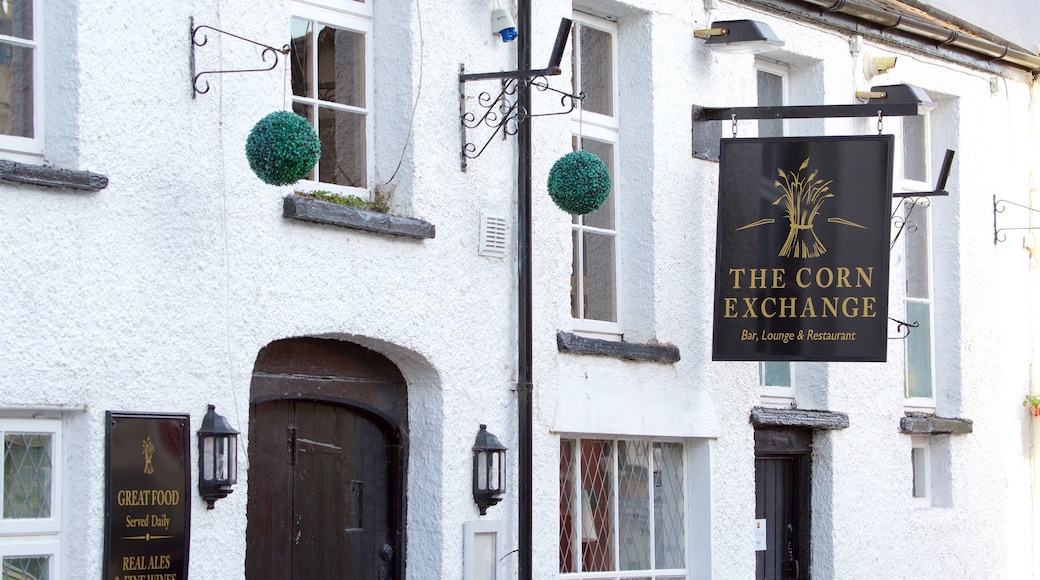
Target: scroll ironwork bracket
(999, 206)
(903, 328)
(199, 38)
(913, 199)
(502, 112)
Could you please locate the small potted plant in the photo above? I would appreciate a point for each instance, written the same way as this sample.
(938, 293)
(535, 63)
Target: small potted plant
(1033, 403)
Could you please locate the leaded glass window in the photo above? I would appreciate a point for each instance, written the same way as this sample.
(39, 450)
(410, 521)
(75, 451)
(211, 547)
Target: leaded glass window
(30, 522)
(622, 509)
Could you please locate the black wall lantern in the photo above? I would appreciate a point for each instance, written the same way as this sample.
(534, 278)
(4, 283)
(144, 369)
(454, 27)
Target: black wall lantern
(218, 457)
(489, 470)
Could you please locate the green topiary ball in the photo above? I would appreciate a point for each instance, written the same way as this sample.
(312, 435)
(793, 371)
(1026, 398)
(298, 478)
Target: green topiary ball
(282, 148)
(579, 182)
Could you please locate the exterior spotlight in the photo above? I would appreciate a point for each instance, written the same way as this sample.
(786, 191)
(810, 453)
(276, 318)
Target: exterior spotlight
(502, 23)
(739, 37)
(874, 65)
(218, 457)
(489, 470)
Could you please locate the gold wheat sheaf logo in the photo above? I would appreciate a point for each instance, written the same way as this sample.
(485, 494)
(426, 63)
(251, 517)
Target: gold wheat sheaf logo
(802, 199)
(148, 450)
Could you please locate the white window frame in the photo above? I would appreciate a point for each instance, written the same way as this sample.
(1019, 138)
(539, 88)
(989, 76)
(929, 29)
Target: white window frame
(921, 471)
(605, 129)
(905, 184)
(356, 17)
(37, 537)
(781, 70)
(29, 149)
(688, 508)
(776, 394)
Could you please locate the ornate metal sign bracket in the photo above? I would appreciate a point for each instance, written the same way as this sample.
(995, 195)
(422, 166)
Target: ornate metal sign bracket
(999, 206)
(198, 39)
(502, 113)
(889, 101)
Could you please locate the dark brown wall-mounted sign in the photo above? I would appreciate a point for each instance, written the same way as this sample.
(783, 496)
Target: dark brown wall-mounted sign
(147, 500)
(803, 249)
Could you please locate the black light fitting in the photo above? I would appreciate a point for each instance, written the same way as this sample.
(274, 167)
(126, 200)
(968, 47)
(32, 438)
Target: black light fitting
(489, 470)
(218, 457)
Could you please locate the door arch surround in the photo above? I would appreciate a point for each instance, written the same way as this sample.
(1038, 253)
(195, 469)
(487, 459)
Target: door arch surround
(328, 452)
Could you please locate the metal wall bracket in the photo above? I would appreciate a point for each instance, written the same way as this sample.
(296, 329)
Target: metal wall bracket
(884, 101)
(502, 112)
(999, 206)
(198, 39)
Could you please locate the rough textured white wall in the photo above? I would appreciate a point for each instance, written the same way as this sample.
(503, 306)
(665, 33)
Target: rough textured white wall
(157, 293)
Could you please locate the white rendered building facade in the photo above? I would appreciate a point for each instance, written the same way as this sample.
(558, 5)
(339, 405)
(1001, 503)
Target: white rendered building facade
(148, 270)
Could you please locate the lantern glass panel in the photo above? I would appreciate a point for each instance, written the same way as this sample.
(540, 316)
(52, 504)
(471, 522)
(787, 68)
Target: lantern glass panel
(482, 470)
(233, 459)
(221, 459)
(207, 458)
(493, 471)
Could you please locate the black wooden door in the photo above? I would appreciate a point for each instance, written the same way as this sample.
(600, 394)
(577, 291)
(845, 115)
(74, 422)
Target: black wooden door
(782, 499)
(329, 514)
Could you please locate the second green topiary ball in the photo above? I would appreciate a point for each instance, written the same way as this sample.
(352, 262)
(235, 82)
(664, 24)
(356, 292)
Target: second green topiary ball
(282, 148)
(579, 183)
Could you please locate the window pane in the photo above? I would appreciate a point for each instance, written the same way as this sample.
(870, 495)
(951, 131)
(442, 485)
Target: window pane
(344, 153)
(669, 506)
(302, 83)
(597, 485)
(27, 475)
(770, 94)
(597, 75)
(634, 505)
(577, 277)
(35, 568)
(16, 18)
(341, 66)
(16, 90)
(919, 351)
(914, 148)
(604, 216)
(919, 457)
(917, 234)
(598, 263)
(776, 374)
(571, 512)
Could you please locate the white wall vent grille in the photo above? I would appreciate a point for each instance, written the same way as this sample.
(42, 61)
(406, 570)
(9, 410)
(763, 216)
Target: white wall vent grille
(493, 235)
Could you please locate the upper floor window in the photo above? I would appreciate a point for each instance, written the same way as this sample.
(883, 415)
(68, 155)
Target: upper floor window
(21, 105)
(594, 281)
(30, 525)
(771, 81)
(917, 244)
(332, 88)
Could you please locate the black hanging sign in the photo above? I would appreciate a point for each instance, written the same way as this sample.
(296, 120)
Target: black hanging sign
(802, 249)
(147, 499)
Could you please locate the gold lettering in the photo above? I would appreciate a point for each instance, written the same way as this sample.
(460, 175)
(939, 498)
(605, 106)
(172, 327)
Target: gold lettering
(808, 310)
(759, 280)
(845, 307)
(749, 305)
(736, 272)
(831, 305)
(864, 276)
(787, 307)
(868, 307)
(778, 278)
(798, 277)
(766, 314)
(731, 308)
(843, 278)
(830, 277)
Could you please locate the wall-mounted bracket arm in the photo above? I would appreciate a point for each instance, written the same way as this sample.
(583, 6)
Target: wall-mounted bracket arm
(884, 101)
(502, 113)
(199, 38)
(999, 206)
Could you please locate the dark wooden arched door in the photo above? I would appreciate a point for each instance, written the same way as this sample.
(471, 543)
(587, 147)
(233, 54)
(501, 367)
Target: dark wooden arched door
(326, 464)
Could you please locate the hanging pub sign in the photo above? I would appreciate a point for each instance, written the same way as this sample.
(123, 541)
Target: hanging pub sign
(147, 499)
(802, 249)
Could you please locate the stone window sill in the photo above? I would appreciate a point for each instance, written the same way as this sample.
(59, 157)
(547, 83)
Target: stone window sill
(926, 424)
(807, 418)
(40, 175)
(574, 344)
(323, 212)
